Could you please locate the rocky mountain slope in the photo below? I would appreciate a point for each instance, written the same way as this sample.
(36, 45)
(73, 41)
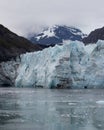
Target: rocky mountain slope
(56, 35)
(12, 45)
(94, 36)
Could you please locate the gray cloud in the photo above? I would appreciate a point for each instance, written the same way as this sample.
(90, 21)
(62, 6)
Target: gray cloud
(23, 16)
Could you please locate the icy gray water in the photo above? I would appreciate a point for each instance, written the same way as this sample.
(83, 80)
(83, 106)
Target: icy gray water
(44, 109)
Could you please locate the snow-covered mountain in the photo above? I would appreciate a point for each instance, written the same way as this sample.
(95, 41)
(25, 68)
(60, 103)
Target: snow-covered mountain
(72, 65)
(56, 35)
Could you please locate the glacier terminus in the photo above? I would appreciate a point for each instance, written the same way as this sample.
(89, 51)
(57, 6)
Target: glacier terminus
(71, 65)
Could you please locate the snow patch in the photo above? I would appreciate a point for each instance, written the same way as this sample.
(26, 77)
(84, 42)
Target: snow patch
(47, 33)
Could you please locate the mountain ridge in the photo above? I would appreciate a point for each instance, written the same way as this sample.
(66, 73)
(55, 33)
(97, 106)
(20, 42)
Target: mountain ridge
(94, 36)
(12, 45)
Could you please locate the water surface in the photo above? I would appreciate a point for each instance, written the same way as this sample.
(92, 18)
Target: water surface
(44, 109)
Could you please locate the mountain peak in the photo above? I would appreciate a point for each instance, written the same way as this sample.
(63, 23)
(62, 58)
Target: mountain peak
(57, 34)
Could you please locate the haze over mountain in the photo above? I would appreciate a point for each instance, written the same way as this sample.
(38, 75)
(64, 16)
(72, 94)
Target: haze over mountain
(20, 16)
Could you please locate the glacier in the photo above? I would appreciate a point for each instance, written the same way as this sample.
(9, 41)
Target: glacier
(72, 65)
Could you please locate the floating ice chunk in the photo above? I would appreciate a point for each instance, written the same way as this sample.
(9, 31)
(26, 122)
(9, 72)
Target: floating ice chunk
(100, 102)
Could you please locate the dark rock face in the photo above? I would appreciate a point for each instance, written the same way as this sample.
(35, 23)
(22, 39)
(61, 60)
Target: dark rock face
(8, 72)
(12, 45)
(56, 35)
(94, 36)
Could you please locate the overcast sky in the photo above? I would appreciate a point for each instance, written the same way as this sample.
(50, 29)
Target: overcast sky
(23, 16)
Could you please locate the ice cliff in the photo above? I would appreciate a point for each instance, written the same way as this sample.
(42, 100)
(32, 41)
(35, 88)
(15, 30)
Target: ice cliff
(72, 65)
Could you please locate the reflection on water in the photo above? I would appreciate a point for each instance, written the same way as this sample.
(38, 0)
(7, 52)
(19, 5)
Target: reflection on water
(42, 109)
